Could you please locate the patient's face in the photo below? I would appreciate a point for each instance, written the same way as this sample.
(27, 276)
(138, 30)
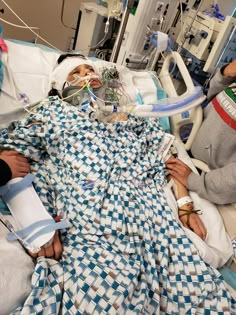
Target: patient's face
(83, 71)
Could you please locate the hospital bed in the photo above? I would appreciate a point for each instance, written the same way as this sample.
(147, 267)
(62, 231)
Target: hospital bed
(27, 71)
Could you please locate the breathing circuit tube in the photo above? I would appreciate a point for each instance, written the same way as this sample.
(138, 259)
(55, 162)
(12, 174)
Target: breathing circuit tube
(164, 108)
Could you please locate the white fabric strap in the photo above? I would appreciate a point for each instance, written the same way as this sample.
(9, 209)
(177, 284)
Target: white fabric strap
(183, 201)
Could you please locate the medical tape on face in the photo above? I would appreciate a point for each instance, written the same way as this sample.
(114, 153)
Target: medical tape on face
(9, 191)
(79, 79)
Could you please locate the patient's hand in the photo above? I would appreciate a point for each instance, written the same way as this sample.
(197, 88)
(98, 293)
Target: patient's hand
(54, 250)
(194, 223)
(189, 219)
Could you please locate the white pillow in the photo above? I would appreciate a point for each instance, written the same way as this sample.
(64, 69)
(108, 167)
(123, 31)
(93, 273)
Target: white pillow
(31, 67)
(26, 69)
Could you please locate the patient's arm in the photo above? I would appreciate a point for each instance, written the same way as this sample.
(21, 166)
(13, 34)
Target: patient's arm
(187, 216)
(54, 250)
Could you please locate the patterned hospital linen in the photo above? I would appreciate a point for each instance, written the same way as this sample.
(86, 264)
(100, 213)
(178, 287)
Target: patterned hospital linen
(124, 252)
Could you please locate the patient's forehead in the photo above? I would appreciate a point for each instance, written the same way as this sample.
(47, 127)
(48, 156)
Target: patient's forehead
(80, 68)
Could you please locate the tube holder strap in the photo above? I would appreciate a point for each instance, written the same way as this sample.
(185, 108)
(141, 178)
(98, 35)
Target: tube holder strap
(47, 226)
(11, 190)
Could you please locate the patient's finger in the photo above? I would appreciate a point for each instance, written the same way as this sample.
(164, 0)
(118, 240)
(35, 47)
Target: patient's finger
(49, 251)
(22, 165)
(57, 246)
(33, 255)
(203, 229)
(197, 226)
(41, 252)
(177, 163)
(170, 159)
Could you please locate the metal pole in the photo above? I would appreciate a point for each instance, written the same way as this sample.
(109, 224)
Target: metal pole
(120, 36)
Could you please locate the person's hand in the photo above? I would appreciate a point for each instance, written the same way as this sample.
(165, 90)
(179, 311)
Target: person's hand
(18, 164)
(178, 169)
(194, 223)
(54, 250)
(230, 70)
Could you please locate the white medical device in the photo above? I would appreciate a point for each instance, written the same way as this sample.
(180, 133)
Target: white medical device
(134, 45)
(199, 33)
(224, 48)
(91, 27)
(150, 15)
(37, 227)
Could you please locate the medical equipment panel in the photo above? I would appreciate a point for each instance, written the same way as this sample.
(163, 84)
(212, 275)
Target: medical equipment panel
(199, 34)
(224, 48)
(135, 43)
(91, 27)
(149, 16)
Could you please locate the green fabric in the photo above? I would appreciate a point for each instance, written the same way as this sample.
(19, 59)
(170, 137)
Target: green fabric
(3, 208)
(229, 276)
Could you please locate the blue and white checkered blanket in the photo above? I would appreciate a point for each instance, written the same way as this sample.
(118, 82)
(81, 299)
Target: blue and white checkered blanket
(124, 252)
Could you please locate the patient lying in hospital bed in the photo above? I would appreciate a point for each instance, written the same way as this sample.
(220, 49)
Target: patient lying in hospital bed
(77, 74)
(124, 241)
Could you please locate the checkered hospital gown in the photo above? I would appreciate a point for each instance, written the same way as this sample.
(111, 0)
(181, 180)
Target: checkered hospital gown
(124, 252)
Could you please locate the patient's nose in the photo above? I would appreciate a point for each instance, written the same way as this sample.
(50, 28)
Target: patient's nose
(89, 72)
